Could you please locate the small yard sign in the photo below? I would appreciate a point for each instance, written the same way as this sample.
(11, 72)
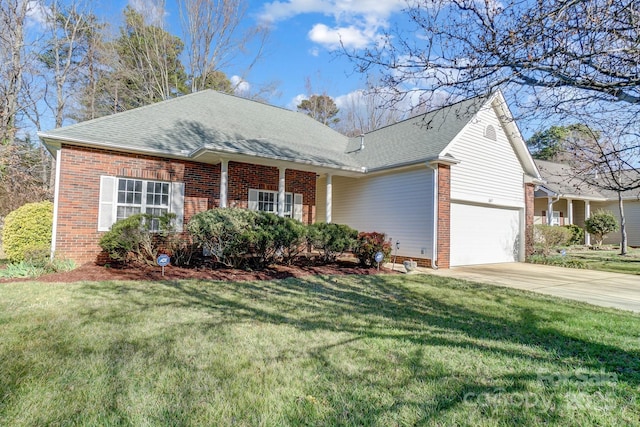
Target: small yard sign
(163, 260)
(379, 257)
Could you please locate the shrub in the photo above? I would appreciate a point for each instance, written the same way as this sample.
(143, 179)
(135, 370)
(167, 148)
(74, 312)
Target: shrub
(332, 240)
(548, 237)
(275, 238)
(225, 234)
(29, 269)
(28, 229)
(599, 224)
(577, 234)
(558, 261)
(132, 240)
(368, 244)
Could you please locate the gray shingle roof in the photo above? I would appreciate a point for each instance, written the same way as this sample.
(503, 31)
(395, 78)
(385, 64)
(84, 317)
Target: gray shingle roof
(217, 122)
(562, 180)
(416, 139)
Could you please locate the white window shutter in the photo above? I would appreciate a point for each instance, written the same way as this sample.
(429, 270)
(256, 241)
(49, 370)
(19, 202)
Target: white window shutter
(297, 207)
(177, 204)
(106, 208)
(253, 200)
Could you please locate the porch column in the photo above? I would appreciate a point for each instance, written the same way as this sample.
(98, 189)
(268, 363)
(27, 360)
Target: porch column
(281, 194)
(549, 210)
(224, 182)
(569, 212)
(587, 214)
(329, 200)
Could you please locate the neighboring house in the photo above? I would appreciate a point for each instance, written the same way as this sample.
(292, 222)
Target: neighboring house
(565, 199)
(453, 187)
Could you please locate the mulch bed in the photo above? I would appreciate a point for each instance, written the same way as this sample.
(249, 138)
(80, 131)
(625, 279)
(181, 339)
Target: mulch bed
(93, 272)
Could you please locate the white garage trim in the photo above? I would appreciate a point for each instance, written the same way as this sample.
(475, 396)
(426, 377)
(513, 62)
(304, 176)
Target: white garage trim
(482, 234)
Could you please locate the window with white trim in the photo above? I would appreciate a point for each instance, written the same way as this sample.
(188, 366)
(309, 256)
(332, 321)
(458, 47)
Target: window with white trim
(139, 196)
(267, 201)
(121, 198)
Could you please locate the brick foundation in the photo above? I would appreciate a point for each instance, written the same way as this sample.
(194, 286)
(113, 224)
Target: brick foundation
(79, 187)
(422, 262)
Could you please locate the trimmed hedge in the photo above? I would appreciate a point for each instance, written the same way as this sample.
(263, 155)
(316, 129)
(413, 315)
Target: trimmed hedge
(331, 240)
(27, 231)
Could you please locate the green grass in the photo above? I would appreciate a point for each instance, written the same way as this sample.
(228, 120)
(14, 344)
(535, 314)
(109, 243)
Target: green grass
(603, 260)
(350, 350)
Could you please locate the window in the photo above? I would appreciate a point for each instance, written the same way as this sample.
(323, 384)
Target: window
(122, 197)
(267, 201)
(137, 196)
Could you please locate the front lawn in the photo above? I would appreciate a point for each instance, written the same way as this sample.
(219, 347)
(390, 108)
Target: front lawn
(327, 350)
(607, 259)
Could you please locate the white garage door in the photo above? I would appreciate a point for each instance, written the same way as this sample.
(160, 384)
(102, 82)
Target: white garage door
(484, 235)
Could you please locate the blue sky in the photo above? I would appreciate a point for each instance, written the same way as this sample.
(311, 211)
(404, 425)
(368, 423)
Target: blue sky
(304, 40)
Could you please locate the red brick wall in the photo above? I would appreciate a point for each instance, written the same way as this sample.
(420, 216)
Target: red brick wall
(529, 200)
(444, 216)
(243, 176)
(79, 188)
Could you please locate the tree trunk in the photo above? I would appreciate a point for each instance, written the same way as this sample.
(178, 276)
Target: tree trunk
(623, 227)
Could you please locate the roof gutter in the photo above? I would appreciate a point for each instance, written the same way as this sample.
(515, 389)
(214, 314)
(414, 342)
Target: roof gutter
(185, 154)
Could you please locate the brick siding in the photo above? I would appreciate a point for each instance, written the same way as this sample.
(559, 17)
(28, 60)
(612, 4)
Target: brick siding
(444, 216)
(529, 218)
(79, 190)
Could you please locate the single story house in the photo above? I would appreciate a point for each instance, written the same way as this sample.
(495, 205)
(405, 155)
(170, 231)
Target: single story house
(454, 186)
(565, 198)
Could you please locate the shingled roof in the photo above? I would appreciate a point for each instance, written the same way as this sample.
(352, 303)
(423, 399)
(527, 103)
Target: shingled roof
(563, 181)
(214, 122)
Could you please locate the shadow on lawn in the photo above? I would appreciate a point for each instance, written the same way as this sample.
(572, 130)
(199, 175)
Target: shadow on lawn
(385, 308)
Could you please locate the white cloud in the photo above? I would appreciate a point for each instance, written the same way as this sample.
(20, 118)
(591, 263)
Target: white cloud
(334, 38)
(240, 86)
(37, 13)
(314, 51)
(357, 23)
(152, 10)
(295, 101)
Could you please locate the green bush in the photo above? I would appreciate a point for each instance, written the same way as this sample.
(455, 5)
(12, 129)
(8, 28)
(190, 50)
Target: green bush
(548, 237)
(225, 234)
(30, 269)
(274, 238)
(577, 234)
(131, 240)
(599, 224)
(27, 229)
(558, 261)
(332, 240)
(368, 244)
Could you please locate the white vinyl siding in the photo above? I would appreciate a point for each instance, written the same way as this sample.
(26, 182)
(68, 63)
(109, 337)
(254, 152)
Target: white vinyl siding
(123, 197)
(489, 171)
(484, 234)
(632, 219)
(267, 201)
(397, 204)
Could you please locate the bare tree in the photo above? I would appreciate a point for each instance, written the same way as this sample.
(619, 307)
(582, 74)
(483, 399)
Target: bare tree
(214, 37)
(609, 165)
(13, 16)
(365, 111)
(565, 55)
(71, 28)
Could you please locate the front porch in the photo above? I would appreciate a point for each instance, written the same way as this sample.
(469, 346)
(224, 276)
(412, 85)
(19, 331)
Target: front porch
(550, 209)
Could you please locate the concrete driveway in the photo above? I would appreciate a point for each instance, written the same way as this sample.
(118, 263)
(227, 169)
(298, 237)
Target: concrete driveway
(595, 287)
